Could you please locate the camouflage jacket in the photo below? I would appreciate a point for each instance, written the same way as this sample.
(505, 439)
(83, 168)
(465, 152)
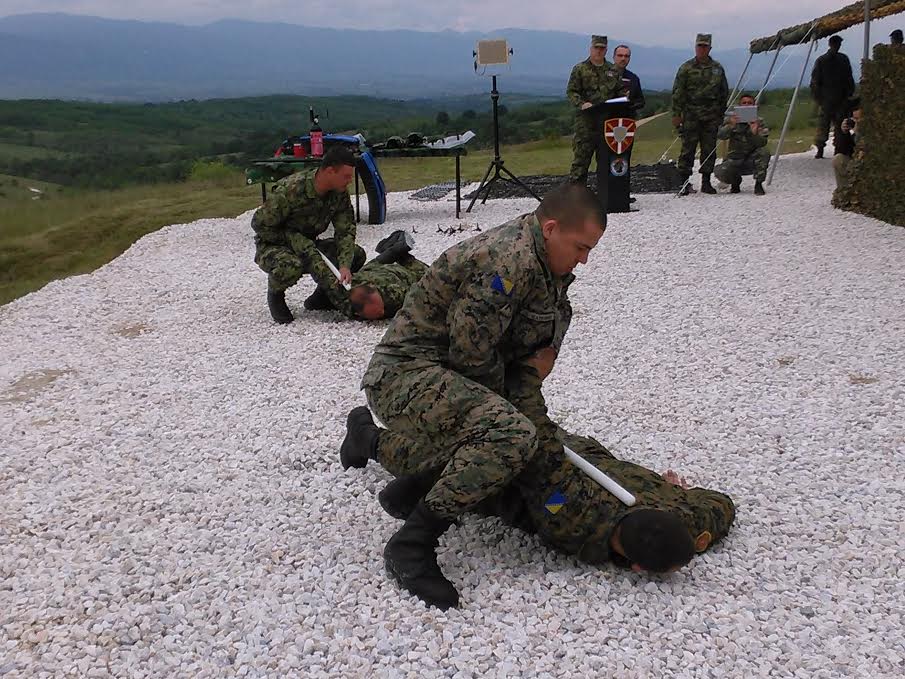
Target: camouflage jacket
(742, 141)
(593, 83)
(700, 90)
(294, 215)
(569, 511)
(393, 281)
(485, 303)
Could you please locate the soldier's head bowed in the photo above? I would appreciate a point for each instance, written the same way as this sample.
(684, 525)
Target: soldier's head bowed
(572, 222)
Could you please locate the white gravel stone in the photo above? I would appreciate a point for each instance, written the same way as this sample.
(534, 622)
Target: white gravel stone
(173, 503)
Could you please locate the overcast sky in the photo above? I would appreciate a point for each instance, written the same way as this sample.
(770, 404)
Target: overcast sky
(655, 22)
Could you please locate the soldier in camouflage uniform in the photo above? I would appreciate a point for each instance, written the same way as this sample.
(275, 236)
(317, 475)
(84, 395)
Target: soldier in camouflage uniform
(491, 305)
(593, 81)
(699, 97)
(569, 511)
(298, 210)
(747, 151)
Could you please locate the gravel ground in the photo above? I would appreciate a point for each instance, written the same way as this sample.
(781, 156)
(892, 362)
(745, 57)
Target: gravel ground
(173, 503)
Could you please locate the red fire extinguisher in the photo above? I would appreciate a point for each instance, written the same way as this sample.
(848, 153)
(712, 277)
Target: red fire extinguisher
(317, 134)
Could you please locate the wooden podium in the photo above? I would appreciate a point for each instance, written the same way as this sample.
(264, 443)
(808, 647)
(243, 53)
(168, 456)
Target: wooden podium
(616, 126)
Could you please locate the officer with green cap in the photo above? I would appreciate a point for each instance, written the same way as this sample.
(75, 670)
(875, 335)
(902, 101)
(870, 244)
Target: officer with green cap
(593, 81)
(699, 97)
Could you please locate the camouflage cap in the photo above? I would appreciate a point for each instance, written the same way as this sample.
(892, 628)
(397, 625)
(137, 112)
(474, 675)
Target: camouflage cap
(704, 39)
(598, 41)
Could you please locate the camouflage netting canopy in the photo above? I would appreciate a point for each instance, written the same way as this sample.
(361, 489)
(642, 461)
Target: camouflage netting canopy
(848, 16)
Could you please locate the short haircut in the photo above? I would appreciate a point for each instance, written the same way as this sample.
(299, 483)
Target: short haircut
(358, 299)
(337, 156)
(657, 541)
(571, 204)
(623, 47)
(835, 40)
(747, 94)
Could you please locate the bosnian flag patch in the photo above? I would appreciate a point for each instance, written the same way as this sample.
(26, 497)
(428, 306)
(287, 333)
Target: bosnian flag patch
(501, 284)
(555, 502)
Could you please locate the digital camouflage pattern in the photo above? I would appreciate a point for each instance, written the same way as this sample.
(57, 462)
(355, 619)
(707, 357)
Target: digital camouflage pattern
(594, 84)
(699, 95)
(747, 152)
(392, 281)
(437, 377)
(287, 225)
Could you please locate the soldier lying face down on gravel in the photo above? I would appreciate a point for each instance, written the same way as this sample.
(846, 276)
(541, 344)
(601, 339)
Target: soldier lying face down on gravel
(380, 286)
(566, 509)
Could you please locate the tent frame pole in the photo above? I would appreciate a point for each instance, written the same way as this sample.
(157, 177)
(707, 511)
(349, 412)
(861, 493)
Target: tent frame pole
(735, 90)
(866, 30)
(769, 73)
(785, 127)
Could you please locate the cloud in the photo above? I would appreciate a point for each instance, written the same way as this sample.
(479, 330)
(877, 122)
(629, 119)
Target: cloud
(654, 22)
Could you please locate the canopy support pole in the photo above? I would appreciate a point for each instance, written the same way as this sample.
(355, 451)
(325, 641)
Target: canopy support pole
(769, 73)
(739, 83)
(866, 30)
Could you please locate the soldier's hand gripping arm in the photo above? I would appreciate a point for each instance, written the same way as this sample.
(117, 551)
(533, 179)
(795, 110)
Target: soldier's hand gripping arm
(344, 232)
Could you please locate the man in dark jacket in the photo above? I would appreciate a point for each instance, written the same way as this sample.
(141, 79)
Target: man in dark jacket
(831, 85)
(621, 57)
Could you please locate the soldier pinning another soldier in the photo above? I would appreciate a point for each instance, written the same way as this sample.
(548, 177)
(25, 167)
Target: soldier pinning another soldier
(591, 82)
(699, 97)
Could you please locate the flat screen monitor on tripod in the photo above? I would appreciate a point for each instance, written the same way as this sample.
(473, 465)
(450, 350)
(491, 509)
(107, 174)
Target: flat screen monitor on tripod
(492, 58)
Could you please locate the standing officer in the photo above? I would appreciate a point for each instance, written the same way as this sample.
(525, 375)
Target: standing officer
(832, 84)
(593, 81)
(699, 97)
(492, 305)
(298, 210)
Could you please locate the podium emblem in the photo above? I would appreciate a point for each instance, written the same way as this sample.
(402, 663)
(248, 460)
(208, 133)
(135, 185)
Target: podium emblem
(619, 134)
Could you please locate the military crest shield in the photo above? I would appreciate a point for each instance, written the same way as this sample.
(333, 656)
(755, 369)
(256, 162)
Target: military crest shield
(619, 134)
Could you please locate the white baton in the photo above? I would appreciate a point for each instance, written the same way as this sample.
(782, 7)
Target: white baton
(347, 286)
(621, 493)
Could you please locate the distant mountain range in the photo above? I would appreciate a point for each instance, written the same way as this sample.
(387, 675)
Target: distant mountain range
(78, 57)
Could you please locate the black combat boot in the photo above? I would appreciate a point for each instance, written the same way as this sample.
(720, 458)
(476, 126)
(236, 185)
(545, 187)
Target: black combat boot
(276, 302)
(397, 237)
(706, 186)
(401, 495)
(318, 300)
(410, 556)
(687, 189)
(736, 187)
(360, 444)
(819, 153)
(759, 189)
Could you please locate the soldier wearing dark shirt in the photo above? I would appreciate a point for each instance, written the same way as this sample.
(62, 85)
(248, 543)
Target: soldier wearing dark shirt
(832, 84)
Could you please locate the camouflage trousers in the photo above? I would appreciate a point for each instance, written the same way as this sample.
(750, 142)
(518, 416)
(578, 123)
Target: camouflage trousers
(284, 266)
(757, 163)
(439, 419)
(585, 143)
(698, 133)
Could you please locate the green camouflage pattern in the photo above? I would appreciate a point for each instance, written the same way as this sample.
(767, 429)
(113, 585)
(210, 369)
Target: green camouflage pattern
(699, 95)
(747, 152)
(286, 265)
(436, 378)
(594, 84)
(484, 303)
(392, 281)
(582, 526)
(294, 215)
(439, 419)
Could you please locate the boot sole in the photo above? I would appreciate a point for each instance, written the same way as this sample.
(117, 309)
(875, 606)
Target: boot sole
(442, 605)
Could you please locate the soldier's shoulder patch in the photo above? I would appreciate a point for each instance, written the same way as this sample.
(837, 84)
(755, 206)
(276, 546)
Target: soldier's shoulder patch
(503, 285)
(702, 542)
(555, 502)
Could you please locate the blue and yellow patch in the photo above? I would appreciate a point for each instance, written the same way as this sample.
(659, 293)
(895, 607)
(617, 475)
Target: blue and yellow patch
(501, 284)
(555, 502)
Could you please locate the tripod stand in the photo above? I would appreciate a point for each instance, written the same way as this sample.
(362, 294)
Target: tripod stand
(496, 165)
